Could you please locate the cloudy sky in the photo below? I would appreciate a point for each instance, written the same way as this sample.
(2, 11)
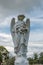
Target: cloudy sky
(32, 9)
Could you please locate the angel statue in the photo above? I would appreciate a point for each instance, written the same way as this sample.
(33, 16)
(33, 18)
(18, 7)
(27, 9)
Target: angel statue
(20, 35)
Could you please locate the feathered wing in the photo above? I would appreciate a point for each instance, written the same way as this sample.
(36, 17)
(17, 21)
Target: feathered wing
(28, 24)
(12, 24)
(28, 31)
(14, 35)
(12, 28)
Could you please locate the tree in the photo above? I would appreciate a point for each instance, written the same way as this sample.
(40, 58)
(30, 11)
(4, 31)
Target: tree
(0, 58)
(10, 61)
(33, 60)
(30, 60)
(35, 56)
(41, 58)
(2, 48)
(4, 53)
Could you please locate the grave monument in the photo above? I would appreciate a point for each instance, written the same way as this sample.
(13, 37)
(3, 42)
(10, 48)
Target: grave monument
(20, 35)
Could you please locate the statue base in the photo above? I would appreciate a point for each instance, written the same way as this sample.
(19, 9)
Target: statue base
(21, 61)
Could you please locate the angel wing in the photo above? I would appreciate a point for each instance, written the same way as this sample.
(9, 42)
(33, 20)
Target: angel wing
(28, 31)
(12, 24)
(28, 24)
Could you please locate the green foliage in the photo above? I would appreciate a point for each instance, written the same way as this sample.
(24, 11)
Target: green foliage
(2, 48)
(35, 59)
(35, 56)
(41, 58)
(10, 61)
(3, 54)
(30, 60)
(0, 57)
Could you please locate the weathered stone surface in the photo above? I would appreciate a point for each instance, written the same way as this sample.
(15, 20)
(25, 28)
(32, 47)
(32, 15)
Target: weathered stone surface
(20, 34)
(21, 61)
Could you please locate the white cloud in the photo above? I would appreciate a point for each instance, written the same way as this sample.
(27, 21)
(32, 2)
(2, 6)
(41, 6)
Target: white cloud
(36, 36)
(6, 22)
(10, 48)
(6, 39)
(34, 47)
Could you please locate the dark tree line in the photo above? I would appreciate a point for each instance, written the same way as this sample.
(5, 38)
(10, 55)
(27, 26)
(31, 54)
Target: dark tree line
(0, 58)
(37, 59)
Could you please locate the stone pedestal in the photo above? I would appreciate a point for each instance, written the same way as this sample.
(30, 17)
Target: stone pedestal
(20, 60)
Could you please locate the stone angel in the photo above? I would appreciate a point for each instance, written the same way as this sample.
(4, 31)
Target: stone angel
(20, 34)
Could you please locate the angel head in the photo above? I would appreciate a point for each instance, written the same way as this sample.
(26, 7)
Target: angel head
(21, 17)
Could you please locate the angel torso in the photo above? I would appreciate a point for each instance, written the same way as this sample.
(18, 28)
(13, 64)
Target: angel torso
(20, 36)
(20, 26)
